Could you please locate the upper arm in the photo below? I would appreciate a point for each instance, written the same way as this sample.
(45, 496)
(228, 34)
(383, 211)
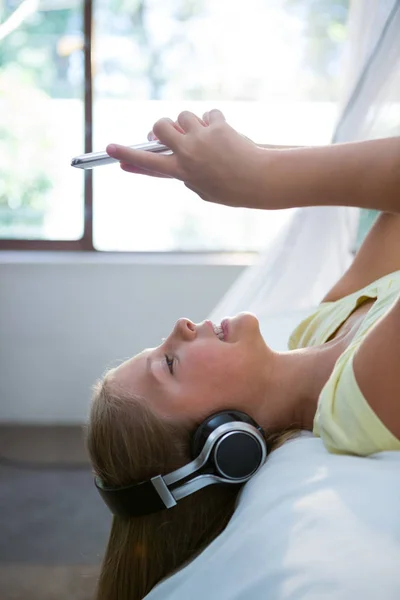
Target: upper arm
(376, 367)
(379, 255)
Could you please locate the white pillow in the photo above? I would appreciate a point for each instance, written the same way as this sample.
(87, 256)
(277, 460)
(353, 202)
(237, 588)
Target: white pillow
(310, 525)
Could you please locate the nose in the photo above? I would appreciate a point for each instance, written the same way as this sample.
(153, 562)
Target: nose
(185, 329)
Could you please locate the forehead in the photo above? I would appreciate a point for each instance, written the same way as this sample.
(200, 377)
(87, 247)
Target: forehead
(131, 372)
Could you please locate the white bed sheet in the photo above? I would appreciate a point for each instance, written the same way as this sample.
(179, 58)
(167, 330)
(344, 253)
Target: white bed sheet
(309, 526)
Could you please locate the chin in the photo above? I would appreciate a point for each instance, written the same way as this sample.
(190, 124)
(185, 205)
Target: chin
(248, 317)
(247, 323)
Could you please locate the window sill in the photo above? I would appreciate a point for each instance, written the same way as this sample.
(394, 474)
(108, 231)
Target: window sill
(134, 258)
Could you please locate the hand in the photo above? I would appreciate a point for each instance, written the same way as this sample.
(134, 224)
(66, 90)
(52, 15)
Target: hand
(151, 137)
(209, 156)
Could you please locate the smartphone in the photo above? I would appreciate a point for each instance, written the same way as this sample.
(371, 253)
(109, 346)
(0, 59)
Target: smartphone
(98, 159)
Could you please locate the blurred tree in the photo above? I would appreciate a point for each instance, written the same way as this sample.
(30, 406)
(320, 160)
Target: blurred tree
(32, 70)
(30, 35)
(325, 30)
(25, 157)
(156, 30)
(39, 36)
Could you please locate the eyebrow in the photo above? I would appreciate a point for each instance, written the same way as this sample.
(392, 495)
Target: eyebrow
(148, 365)
(149, 371)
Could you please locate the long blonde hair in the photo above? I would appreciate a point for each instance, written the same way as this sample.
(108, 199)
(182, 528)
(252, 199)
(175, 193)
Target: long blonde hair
(128, 443)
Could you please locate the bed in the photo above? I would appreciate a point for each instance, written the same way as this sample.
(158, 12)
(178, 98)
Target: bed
(309, 526)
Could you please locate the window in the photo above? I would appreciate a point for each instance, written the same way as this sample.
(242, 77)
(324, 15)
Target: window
(41, 119)
(273, 69)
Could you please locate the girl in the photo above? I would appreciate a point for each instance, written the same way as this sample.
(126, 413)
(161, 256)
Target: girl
(340, 377)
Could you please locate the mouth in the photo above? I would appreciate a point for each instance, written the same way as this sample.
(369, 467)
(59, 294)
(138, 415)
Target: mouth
(219, 330)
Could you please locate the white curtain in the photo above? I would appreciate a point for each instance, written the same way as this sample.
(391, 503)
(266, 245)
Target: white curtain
(315, 248)
(294, 272)
(372, 101)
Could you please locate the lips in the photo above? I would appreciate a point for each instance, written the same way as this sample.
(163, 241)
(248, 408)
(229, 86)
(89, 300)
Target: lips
(225, 329)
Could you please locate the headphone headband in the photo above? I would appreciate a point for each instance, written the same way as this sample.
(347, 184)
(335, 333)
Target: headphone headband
(161, 492)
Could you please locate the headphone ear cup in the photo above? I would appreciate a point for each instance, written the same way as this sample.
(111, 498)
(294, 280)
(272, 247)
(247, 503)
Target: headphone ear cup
(238, 455)
(211, 423)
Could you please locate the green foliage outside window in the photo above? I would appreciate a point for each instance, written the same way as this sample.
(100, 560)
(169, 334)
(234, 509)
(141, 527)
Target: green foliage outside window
(41, 59)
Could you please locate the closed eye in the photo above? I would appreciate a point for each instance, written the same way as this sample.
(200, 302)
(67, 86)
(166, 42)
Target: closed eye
(170, 363)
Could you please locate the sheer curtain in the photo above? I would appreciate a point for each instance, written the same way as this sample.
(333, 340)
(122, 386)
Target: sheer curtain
(294, 272)
(371, 107)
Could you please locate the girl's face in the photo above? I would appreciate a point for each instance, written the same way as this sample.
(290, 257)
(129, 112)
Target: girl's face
(194, 373)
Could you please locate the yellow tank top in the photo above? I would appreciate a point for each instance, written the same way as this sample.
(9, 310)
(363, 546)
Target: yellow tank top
(344, 420)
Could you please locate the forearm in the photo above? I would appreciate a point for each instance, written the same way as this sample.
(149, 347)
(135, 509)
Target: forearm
(221, 165)
(361, 174)
(273, 147)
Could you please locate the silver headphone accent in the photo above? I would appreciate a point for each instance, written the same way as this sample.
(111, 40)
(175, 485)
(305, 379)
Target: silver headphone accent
(162, 483)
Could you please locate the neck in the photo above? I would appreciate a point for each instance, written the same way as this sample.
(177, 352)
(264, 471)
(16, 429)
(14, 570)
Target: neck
(293, 385)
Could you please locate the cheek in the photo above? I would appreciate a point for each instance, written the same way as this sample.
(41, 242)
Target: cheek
(216, 370)
(205, 362)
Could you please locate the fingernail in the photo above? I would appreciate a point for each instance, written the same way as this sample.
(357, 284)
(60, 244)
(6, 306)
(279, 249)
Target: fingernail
(111, 149)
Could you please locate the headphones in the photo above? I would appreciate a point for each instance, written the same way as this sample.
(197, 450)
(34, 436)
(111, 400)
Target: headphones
(228, 447)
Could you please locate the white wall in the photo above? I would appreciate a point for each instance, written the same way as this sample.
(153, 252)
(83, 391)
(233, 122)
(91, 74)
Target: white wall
(65, 317)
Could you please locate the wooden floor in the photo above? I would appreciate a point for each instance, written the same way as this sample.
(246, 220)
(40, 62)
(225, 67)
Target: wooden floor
(53, 524)
(43, 444)
(20, 582)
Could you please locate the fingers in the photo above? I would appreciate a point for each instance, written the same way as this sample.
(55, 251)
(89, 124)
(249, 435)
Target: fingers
(132, 169)
(170, 133)
(216, 116)
(201, 121)
(165, 131)
(183, 124)
(213, 116)
(152, 137)
(206, 118)
(178, 127)
(189, 121)
(186, 121)
(163, 164)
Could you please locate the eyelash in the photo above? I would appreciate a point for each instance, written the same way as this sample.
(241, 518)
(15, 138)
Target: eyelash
(170, 363)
